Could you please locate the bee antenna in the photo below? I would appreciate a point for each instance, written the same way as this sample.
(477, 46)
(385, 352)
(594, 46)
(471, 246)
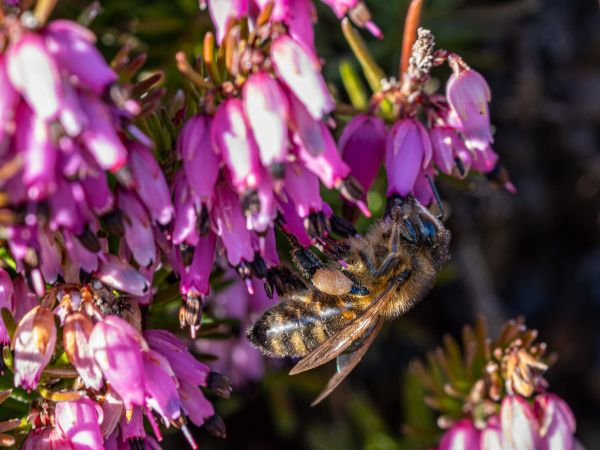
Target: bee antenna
(438, 200)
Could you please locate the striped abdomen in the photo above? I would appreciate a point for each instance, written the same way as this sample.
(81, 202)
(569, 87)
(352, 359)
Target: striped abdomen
(295, 327)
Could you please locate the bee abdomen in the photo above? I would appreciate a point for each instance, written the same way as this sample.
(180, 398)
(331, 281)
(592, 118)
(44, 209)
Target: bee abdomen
(295, 328)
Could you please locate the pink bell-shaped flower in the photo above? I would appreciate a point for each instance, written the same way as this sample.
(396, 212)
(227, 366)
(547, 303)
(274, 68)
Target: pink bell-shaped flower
(117, 350)
(299, 69)
(33, 343)
(408, 150)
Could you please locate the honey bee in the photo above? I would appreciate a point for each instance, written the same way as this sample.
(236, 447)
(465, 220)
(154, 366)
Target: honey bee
(336, 310)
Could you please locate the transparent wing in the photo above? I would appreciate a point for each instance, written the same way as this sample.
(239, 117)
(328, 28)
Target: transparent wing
(348, 361)
(340, 341)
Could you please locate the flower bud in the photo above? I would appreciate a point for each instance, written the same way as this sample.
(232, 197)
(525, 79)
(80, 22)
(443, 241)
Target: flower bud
(199, 157)
(267, 110)
(302, 186)
(327, 165)
(408, 150)
(161, 386)
(76, 334)
(299, 69)
(469, 94)
(557, 423)
(194, 403)
(33, 342)
(150, 182)
(491, 435)
(100, 136)
(223, 11)
(39, 176)
(73, 47)
(139, 234)
(195, 277)
(79, 420)
(116, 348)
(34, 73)
(519, 424)
(362, 146)
(118, 274)
(231, 225)
(461, 436)
(232, 136)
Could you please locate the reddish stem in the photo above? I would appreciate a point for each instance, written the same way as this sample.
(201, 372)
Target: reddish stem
(411, 23)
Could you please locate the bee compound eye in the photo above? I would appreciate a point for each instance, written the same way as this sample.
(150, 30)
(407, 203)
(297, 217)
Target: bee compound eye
(428, 229)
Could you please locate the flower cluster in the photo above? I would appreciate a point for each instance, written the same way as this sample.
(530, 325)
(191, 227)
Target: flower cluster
(494, 396)
(65, 125)
(121, 373)
(296, 15)
(262, 144)
(454, 136)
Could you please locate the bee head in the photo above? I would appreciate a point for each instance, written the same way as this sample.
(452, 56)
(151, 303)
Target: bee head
(418, 226)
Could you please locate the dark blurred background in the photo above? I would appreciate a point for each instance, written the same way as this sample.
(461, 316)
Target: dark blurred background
(536, 253)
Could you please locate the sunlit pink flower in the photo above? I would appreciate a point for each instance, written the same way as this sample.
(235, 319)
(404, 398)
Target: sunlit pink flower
(491, 435)
(223, 11)
(195, 277)
(557, 423)
(184, 365)
(362, 146)
(34, 73)
(139, 234)
(462, 436)
(232, 135)
(100, 136)
(33, 342)
(117, 350)
(77, 329)
(39, 154)
(302, 186)
(469, 94)
(519, 425)
(73, 47)
(408, 150)
(118, 274)
(267, 110)
(79, 420)
(298, 67)
(161, 386)
(231, 225)
(200, 161)
(150, 182)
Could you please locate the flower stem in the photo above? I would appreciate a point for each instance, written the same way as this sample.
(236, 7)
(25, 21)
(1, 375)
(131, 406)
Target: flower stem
(185, 68)
(43, 9)
(372, 71)
(411, 23)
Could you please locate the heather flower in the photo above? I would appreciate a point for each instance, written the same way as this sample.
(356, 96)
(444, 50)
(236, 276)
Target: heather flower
(79, 421)
(73, 47)
(77, 329)
(362, 146)
(463, 435)
(267, 109)
(232, 136)
(117, 350)
(161, 386)
(300, 71)
(33, 343)
(408, 151)
(138, 230)
(222, 12)
(118, 274)
(34, 73)
(468, 95)
(503, 403)
(199, 156)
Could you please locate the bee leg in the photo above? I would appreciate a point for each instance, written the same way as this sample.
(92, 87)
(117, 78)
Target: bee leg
(388, 264)
(284, 281)
(336, 282)
(306, 261)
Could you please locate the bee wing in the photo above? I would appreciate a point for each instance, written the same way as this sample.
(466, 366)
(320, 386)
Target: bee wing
(340, 341)
(348, 361)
